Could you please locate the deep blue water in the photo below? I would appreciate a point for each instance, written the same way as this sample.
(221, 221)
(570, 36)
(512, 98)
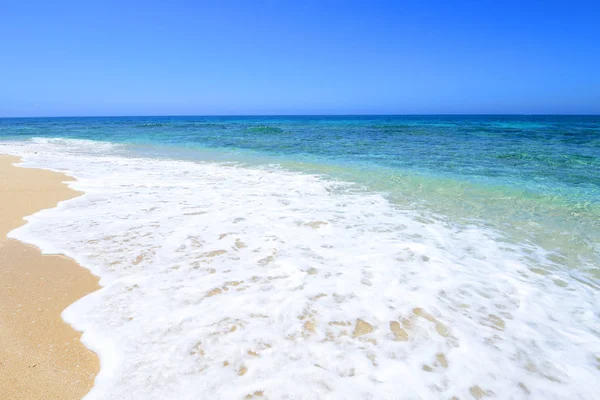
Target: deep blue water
(537, 177)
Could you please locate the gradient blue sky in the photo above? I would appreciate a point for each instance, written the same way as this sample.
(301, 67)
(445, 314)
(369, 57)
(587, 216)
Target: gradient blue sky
(72, 58)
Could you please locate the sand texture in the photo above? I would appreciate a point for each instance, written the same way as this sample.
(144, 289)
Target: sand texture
(41, 357)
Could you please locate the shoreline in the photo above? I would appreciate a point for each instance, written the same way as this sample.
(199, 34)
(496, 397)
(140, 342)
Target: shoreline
(231, 280)
(41, 356)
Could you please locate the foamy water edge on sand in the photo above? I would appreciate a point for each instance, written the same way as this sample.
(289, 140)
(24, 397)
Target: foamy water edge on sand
(224, 281)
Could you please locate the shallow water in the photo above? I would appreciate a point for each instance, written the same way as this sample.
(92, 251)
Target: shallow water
(383, 257)
(537, 176)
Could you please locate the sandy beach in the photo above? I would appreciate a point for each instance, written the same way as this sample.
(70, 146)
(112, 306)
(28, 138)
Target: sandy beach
(41, 357)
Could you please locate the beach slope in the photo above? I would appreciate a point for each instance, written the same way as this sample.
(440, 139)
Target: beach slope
(41, 357)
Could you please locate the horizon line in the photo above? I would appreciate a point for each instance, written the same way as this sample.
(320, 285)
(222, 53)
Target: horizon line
(306, 115)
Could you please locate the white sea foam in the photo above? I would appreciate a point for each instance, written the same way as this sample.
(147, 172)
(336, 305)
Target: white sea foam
(223, 281)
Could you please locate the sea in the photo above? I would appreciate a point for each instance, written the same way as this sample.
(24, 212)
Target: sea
(329, 257)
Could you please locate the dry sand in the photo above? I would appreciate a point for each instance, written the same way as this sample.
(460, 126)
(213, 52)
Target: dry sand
(41, 357)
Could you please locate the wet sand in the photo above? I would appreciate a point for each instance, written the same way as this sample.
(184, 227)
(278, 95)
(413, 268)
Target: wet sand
(41, 357)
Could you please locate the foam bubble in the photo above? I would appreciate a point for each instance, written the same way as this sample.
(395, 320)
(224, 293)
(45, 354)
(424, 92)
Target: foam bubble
(221, 281)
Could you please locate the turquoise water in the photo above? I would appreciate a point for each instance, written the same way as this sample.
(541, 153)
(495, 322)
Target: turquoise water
(537, 178)
(329, 257)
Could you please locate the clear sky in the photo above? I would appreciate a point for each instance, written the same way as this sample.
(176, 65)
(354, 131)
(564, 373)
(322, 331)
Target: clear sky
(71, 58)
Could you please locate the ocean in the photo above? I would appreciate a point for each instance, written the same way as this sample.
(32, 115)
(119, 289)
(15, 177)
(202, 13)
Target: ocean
(329, 256)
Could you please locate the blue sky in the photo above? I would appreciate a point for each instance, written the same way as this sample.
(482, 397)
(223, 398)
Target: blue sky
(71, 58)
